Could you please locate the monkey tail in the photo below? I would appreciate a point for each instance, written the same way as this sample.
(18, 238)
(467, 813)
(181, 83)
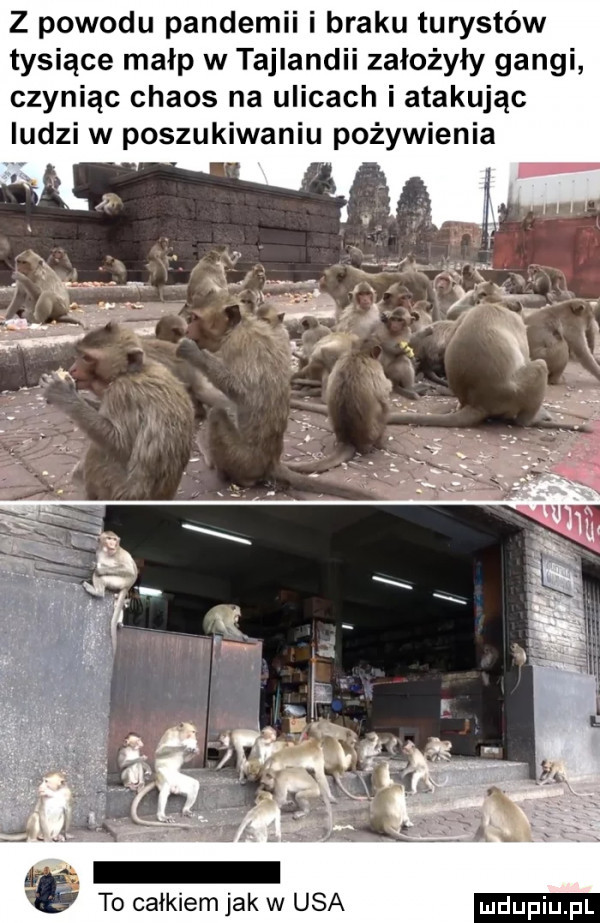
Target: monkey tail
(13, 837)
(299, 404)
(338, 779)
(240, 829)
(465, 417)
(439, 784)
(68, 319)
(573, 427)
(364, 785)
(424, 839)
(516, 686)
(300, 482)
(579, 794)
(329, 830)
(148, 823)
(342, 453)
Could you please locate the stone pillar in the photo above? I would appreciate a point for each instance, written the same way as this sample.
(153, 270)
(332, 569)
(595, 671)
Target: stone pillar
(415, 228)
(368, 204)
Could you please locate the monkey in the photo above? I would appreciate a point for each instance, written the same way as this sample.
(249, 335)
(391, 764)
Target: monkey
(59, 261)
(39, 292)
(528, 221)
(389, 742)
(236, 741)
(158, 265)
(338, 761)
(447, 290)
(514, 284)
(396, 354)
(133, 765)
(409, 263)
(141, 436)
(252, 370)
(361, 317)
(340, 280)
(208, 278)
(490, 656)
(269, 314)
(248, 301)
(324, 356)
(558, 281)
(463, 304)
(470, 277)
(50, 177)
(417, 769)
(350, 752)
(489, 370)
(354, 256)
(111, 205)
(429, 349)
(116, 571)
(312, 332)
(387, 811)
(251, 768)
(519, 659)
(323, 183)
(300, 785)
(367, 748)
(177, 746)
(421, 316)
(224, 620)
(263, 747)
(436, 749)
(51, 198)
(538, 283)
(357, 397)
(558, 331)
(51, 817)
(5, 251)
(556, 771)
(265, 812)
(232, 170)
(484, 292)
(306, 755)
(502, 213)
(116, 268)
(321, 728)
(171, 328)
(17, 192)
(255, 280)
(502, 820)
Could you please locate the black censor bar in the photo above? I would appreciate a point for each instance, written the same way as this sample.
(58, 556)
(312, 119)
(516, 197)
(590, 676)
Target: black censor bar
(187, 873)
(528, 907)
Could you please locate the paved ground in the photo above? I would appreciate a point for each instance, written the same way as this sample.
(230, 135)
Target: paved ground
(39, 446)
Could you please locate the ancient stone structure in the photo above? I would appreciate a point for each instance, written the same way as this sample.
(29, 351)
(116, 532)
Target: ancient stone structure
(309, 175)
(368, 206)
(458, 240)
(415, 229)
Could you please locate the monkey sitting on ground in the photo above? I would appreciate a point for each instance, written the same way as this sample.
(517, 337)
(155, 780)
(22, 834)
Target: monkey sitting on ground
(208, 279)
(299, 785)
(39, 292)
(489, 370)
(340, 280)
(417, 769)
(556, 771)
(224, 620)
(447, 290)
(177, 746)
(133, 765)
(436, 749)
(111, 205)
(323, 183)
(265, 812)
(141, 436)
(354, 256)
(562, 330)
(357, 397)
(366, 749)
(115, 571)
(324, 356)
(502, 820)
(361, 317)
(519, 659)
(255, 280)
(313, 331)
(514, 284)
(116, 268)
(252, 370)
(51, 817)
(557, 278)
(171, 328)
(158, 265)
(236, 741)
(387, 811)
(396, 353)
(470, 277)
(19, 192)
(62, 266)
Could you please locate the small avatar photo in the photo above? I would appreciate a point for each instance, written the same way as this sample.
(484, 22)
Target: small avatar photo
(52, 886)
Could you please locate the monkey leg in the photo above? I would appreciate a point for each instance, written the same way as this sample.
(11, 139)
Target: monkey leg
(493, 834)
(163, 796)
(190, 790)
(530, 389)
(98, 588)
(303, 804)
(43, 308)
(225, 758)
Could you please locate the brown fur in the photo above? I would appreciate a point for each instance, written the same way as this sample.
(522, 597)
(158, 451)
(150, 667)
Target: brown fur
(255, 281)
(247, 300)
(355, 255)
(562, 330)
(5, 251)
(429, 346)
(362, 314)
(39, 292)
(142, 434)
(470, 277)
(116, 268)
(393, 336)
(59, 261)
(323, 358)
(208, 278)
(171, 328)
(514, 284)
(158, 265)
(111, 205)
(269, 314)
(447, 290)
(338, 281)
(202, 394)
(557, 278)
(313, 331)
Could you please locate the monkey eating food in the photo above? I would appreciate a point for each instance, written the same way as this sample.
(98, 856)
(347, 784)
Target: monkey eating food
(224, 620)
(40, 293)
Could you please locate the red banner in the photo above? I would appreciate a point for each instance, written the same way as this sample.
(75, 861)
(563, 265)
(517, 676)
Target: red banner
(579, 523)
(530, 170)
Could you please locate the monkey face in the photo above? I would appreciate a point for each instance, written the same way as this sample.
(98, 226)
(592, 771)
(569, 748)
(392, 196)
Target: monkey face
(365, 301)
(110, 542)
(225, 740)
(443, 284)
(187, 734)
(133, 741)
(397, 326)
(268, 734)
(51, 784)
(28, 262)
(267, 780)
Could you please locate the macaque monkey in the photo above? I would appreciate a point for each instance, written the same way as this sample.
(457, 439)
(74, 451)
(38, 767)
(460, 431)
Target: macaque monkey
(396, 354)
(171, 328)
(436, 749)
(224, 620)
(262, 749)
(313, 331)
(265, 812)
(208, 278)
(116, 268)
(323, 183)
(354, 256)
(366, 749)
(357, 404)
(299, 785)
(50, 177)
(177, 746)
(323, 358)
(514, 284)
(141, 436)
(502, 820)
(270, 315)
(502, 213)
(321, 728)
(307, 755)
(417, 769)
(232, 170)
(17, 192)
(538, 283)
(62, 266)
(387, 810)
(389, 742)
(447, 290)
(489, 370)
(158, 265)
(51, 817)
(409, 263)
(255, 280)
(40, 293)
(51, 198)
(558, 281)
(340, 280)
(429, 347)
(6, 250)
(132, 763)
(519, 659)
(115, 571)
(111, 205)
(248, 301)
(556, 771)
(421, 318)
(470, 277)
(337, 761)
(236, 741)
(252, 767)
(562, 330)
(361, 317)
(528, 221)
(490, 655)
(351, 754)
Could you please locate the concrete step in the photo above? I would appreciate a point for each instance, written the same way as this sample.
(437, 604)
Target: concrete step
(222, 790)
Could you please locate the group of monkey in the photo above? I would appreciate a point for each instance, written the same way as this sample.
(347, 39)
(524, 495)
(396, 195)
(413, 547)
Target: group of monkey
(286, 771)
(227, 357)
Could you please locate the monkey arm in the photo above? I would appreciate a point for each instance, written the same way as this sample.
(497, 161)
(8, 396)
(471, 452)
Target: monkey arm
(32, 289)
(17, 302)
(214, 368)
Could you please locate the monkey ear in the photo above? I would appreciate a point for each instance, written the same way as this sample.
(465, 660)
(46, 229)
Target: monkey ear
(578, 307)
(232, 312)
(518, 307)
(414, 315)
(135, 358)
(341, 274)
(280, 317)
(376, 352)
(428, 307)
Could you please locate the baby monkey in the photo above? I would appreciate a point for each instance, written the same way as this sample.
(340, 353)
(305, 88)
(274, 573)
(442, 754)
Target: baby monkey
(556, 771)
(133, 765)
